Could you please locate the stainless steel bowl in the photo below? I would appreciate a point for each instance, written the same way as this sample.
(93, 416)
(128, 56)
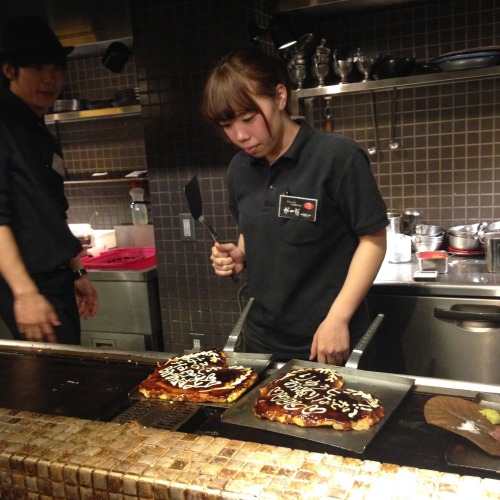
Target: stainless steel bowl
(422, 243)
(429, 230)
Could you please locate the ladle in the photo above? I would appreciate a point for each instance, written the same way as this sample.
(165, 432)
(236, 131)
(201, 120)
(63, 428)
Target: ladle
(95, 214)
(373, 150)
(328, 115)
(393, 145)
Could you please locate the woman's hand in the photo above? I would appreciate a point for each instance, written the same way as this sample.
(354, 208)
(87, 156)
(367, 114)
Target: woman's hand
(227, 259)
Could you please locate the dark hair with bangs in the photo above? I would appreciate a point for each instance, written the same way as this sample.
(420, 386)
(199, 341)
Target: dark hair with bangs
(237, 77)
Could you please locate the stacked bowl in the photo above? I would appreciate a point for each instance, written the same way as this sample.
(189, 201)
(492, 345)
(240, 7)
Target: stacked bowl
(427, 238)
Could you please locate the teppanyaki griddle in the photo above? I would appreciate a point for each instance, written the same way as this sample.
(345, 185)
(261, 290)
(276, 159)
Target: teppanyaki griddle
(389, 389)
(66, 383)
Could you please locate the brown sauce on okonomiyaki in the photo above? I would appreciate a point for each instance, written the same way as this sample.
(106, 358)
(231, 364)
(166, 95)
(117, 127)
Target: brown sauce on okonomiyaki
(315, 395)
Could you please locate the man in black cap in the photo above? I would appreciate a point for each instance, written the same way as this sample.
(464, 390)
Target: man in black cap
(43, 287)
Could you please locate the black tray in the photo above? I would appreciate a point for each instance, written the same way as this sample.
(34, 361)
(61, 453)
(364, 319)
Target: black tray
(390, 389)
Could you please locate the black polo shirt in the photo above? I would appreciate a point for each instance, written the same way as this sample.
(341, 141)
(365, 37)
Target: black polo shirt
(32, 200)
(297, 267)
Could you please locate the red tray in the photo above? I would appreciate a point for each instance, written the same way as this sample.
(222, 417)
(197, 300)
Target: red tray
(122, 259)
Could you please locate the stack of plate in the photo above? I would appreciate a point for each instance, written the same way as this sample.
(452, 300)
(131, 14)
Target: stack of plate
(99, 104)
(62, 105)
(468, 58)
(126, 97)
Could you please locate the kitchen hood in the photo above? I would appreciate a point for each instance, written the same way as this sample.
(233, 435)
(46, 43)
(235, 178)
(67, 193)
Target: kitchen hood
(314, 7)
(76, 22)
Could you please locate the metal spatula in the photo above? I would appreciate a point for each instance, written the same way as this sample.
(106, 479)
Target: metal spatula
(193, 196)
(195, 203)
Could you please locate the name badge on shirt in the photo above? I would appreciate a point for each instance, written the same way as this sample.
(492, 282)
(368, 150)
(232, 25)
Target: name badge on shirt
(58, 164)
(295, 207)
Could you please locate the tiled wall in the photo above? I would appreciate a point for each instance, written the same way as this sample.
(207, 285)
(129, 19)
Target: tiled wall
(446, 166)
(97, 146)
(449, 133)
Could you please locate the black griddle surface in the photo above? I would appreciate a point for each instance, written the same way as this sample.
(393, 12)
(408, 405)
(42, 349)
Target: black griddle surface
(68, 386)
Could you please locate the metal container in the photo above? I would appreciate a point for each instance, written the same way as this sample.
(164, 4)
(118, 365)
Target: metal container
(395, 221)
(492, 247)
(433, 261)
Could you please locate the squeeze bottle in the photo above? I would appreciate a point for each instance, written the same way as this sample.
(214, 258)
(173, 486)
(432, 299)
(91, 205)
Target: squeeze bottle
(138, 205)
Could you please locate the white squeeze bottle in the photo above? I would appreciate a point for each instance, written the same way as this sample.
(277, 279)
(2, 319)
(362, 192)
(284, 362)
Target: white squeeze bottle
(138, 206)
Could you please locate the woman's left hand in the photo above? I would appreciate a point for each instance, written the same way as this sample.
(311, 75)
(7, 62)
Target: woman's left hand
(331, 343)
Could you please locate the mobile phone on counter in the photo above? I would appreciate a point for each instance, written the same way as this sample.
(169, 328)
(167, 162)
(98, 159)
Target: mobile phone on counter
(425, 276)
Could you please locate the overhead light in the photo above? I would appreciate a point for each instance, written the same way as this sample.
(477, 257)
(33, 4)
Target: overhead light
(280, 29)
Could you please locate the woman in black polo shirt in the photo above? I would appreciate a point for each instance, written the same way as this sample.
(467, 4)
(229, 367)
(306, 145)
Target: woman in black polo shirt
(310, 216)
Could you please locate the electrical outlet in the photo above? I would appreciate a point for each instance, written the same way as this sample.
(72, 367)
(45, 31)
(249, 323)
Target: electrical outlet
(198, 341)
(186, 226)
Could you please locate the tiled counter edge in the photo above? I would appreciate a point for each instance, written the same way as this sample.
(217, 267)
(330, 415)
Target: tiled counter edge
(53, 457)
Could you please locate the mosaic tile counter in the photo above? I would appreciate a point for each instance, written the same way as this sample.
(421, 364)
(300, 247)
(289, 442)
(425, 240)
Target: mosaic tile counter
(52, 457)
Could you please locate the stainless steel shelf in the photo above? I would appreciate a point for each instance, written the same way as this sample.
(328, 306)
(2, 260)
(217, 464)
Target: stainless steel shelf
(93, 114)
(407, 81)
(113, 176)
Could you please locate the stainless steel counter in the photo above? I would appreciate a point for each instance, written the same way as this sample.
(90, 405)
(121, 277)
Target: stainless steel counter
(446, 329)
(466, 277)
(129, 311)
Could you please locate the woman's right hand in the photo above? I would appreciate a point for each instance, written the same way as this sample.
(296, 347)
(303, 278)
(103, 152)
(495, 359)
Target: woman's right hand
(227, 259)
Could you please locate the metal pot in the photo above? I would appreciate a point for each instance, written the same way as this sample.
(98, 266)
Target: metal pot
(465, 237)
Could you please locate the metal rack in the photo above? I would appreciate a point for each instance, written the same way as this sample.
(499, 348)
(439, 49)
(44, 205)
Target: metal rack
(93, 114)
(392, 83)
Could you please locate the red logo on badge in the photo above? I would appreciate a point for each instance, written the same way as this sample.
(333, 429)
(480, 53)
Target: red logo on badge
(309, 206)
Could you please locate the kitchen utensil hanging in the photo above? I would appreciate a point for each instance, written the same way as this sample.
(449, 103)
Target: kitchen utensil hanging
(393, 144)
(195, 203)
(374, 149)
(328, 115)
